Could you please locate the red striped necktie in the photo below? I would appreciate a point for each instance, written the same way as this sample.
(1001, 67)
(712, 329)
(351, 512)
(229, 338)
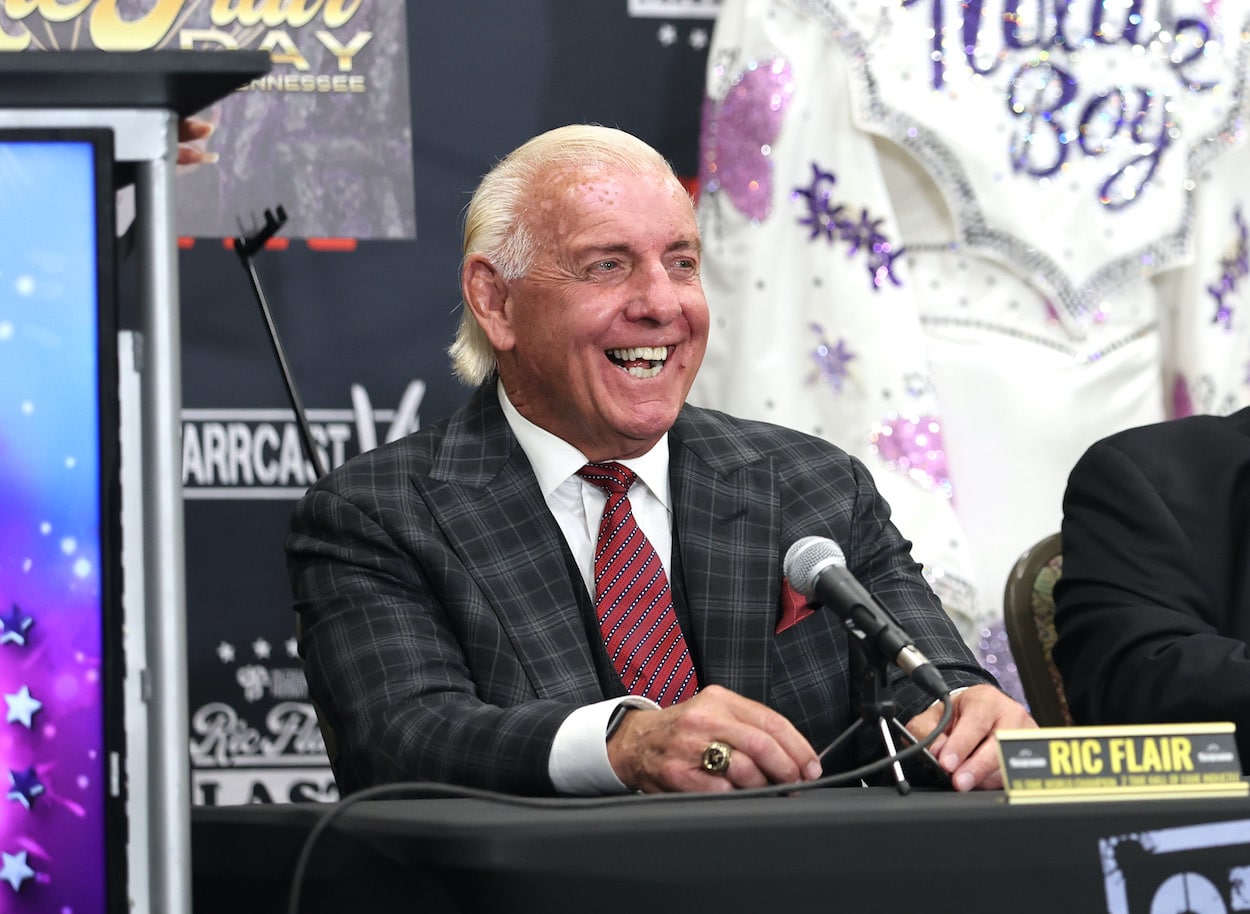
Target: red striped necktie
(633, 600)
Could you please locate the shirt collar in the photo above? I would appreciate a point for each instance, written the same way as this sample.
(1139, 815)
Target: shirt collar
(554, 460)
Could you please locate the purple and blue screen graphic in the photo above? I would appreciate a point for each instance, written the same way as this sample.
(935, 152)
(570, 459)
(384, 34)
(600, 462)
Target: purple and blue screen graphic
(52, 737)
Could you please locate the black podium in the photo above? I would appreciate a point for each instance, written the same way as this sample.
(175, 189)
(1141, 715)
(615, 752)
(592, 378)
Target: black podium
(140, 98)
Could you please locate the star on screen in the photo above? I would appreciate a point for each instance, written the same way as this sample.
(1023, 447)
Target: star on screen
(25, 786)
(15, 870)
(14, 625)
(22, 707)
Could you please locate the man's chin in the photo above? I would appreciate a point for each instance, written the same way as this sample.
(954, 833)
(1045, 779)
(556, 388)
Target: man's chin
(647, 424)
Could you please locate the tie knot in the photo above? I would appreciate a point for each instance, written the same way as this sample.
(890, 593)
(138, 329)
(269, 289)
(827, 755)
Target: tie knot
(613, 478)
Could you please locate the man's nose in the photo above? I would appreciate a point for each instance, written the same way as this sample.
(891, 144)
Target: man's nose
(658, 297)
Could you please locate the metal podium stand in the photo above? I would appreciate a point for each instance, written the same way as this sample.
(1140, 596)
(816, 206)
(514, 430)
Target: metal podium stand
(141, 97)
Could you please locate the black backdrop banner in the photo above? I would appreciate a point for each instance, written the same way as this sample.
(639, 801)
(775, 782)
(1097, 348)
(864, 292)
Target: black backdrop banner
(366, 330)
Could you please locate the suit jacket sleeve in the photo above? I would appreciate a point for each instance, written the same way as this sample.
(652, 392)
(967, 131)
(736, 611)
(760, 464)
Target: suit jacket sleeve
(385, 660)
(880, 558)
(1148, 623)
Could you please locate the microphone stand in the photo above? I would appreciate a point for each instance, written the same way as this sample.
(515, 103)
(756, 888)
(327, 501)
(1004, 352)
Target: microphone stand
(877, 709)
(248, 246)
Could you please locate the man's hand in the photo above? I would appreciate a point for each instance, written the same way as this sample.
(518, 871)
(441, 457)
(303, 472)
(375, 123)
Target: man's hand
(659, 751)
(193, 134)
(967, 750)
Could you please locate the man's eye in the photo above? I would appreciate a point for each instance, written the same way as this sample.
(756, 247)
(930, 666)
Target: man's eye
(607, 265)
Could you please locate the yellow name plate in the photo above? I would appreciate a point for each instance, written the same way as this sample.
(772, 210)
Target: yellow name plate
(1126, 762)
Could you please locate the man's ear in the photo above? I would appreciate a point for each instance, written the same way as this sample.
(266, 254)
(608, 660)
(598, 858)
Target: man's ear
(486, 294)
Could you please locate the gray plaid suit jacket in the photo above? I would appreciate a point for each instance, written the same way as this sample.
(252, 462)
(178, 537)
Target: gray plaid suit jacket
(443, 629)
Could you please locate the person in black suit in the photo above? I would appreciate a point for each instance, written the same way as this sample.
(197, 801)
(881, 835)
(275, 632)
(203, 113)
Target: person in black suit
(447, 581)
(1153, 608)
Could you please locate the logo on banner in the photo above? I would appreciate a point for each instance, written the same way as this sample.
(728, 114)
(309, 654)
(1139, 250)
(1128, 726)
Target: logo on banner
(1201, 869)
(254, 732)
(265, 747)
(243, 454)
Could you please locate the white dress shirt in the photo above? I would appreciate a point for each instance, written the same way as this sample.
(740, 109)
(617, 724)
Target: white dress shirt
(579, 756)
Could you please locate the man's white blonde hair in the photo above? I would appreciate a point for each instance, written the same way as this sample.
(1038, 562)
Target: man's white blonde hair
(496, 219)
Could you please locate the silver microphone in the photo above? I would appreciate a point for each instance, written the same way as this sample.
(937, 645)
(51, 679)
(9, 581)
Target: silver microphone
(815, 566)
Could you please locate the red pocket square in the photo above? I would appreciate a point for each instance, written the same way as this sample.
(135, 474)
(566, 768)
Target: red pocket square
(794, 608)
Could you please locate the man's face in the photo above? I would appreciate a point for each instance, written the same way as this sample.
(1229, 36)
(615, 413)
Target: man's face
(606, 332)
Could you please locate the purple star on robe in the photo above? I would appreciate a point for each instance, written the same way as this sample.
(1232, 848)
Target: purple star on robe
(831, 361)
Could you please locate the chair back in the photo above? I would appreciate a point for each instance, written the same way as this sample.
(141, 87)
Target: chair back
(1029, 616)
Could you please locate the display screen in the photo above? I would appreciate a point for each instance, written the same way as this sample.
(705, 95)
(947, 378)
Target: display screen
(61, 835)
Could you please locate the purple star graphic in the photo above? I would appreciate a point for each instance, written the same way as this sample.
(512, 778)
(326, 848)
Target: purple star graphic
(26, 786)
(13, 627)
(823, 217)
(831, 361)
(863, 236)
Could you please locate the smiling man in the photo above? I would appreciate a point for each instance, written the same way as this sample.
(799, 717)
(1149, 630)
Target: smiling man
(574, 584)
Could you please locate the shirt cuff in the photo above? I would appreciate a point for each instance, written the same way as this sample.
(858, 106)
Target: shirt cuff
(579, 764)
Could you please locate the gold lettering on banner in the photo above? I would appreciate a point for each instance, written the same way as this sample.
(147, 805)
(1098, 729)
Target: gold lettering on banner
(281, 47)
(17, 9)
(344, 52)
(110, 32)
(189, 39)
(283, 50)
(14, 42)
(51, 10)
(274, 13)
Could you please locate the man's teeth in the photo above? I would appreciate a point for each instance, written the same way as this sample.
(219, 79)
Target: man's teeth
(634, 353)
(655, 355)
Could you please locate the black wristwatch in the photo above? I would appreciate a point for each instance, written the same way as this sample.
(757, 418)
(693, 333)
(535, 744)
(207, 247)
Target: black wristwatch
(618, 715)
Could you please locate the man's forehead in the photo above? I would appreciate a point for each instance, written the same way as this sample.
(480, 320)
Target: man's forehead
(573, 180)
(581, 199)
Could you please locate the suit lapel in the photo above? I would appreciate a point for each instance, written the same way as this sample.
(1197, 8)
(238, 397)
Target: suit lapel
(726, 502)
(487, 502)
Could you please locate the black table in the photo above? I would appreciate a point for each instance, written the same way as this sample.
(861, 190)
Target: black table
(828, 850)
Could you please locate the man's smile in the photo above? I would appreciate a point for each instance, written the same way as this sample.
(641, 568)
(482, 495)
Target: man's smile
(640, 361)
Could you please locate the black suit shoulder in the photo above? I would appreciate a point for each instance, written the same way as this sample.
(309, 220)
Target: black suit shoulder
(1163, 446)
(470, 446)
(727, 442)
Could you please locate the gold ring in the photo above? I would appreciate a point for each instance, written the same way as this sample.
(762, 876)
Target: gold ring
(716, 757)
